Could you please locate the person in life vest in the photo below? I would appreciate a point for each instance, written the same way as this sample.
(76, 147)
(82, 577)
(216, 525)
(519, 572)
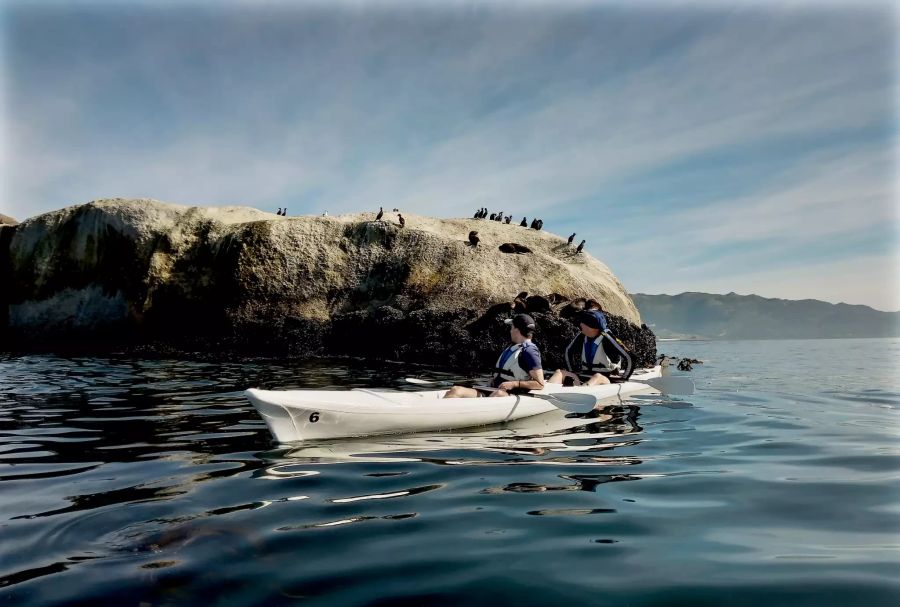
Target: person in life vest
(593, 354)
(518, 369)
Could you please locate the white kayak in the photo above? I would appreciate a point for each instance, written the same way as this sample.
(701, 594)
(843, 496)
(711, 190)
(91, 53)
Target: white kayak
(293, 415)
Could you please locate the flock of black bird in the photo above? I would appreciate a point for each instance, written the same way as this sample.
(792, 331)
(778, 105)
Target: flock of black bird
(399, 216)
(536, 224)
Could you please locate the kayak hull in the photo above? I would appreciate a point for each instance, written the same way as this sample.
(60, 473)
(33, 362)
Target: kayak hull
(293, 415)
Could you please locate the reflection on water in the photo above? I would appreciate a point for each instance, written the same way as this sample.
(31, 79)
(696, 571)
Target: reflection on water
(129, 482)
(540, 435)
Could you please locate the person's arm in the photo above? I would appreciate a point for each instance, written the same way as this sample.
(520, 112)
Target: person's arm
(567, 356)
(537, 380)
(531, 361)
(535, 383)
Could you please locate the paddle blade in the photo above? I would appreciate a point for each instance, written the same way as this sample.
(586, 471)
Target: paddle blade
(573, 403)
(420, 382)
(673, 384)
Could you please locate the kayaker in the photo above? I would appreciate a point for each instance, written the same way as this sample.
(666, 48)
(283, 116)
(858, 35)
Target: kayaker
(587, 357)
(518, 369)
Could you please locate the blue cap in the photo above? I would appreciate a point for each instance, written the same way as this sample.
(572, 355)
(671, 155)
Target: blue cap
(592, 319)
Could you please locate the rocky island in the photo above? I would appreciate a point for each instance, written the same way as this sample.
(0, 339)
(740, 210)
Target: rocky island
(141, 275)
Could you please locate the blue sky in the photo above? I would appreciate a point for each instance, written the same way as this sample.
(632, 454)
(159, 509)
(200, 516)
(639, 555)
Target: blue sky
(697, 147)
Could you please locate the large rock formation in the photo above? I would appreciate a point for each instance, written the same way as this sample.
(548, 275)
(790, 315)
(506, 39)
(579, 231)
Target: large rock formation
(143, 272)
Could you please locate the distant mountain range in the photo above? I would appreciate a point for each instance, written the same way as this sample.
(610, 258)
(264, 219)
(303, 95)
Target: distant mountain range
(733, 316)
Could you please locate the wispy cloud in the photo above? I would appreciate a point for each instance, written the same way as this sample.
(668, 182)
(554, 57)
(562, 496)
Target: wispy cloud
(826, 196)
(538, 111)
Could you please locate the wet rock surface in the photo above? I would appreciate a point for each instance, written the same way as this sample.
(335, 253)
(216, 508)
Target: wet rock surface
(150, 278)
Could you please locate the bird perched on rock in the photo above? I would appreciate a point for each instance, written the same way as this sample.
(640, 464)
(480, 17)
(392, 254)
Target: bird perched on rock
(580, 247)
(279, 211)
(540, 224)
(499, 216)
(493, 216)
(508, 219)
(380, 214)
(402, 221)
(473, 238)
(284, 212)
(571, 238)
(524, 223)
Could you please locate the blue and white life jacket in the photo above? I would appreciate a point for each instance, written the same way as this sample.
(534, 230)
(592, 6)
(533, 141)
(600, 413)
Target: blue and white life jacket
(507, 366)
(609, 356)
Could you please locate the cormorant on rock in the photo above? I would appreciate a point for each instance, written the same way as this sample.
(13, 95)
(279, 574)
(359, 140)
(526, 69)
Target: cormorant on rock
(534, 223)
(499, 216)
(524, 223)
(284, 212)
(581, 246)
(477, 214)
(473, 238)
(279, 211)
(493, 217)
(402, 221)
(571, 238)
(508, 219)
(540, 224)
(380, 214)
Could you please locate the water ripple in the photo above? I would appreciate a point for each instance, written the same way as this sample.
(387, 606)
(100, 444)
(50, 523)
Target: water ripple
(136, 481)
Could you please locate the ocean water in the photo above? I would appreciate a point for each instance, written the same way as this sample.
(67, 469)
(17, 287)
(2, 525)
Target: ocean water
(136, 482)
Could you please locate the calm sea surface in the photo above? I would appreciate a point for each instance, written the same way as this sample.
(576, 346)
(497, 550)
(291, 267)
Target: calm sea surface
(135, 482)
